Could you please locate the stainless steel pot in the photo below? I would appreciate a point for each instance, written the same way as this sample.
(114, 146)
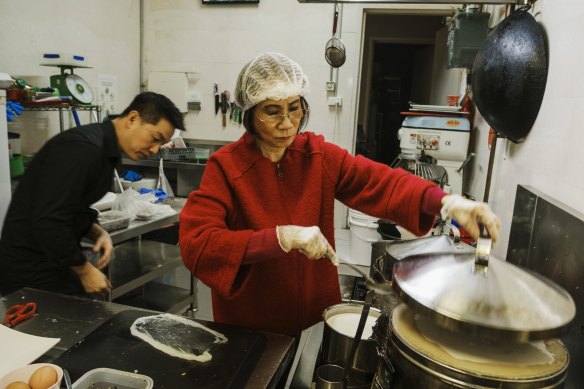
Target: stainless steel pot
(336, 341)
(427, 356)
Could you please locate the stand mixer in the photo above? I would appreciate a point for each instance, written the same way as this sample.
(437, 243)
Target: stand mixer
(439, 143)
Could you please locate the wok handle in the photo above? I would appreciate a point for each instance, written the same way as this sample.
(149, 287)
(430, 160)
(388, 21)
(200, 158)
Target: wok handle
(466, 161)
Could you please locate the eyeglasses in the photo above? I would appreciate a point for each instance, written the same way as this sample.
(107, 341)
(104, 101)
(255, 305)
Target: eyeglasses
(295, 115)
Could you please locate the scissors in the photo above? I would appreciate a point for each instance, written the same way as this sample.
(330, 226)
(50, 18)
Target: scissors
(19, 313)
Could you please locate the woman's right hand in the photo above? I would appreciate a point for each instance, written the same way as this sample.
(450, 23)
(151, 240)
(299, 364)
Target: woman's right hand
(471, 214)
(92, 279)
(308, 240)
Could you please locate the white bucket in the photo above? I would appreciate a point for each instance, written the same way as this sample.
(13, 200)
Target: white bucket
(363, 233)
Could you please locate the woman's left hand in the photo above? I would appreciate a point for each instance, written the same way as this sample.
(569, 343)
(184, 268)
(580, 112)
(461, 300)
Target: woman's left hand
(470, 214)
(103, 243)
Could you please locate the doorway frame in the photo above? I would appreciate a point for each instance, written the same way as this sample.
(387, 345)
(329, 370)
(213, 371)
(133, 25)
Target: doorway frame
(427, 10)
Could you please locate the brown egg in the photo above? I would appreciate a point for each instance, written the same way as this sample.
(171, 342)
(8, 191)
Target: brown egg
(18, 385)
(43, 378)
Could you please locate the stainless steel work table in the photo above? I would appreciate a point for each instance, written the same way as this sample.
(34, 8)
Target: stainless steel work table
(137, 262)
(72, 319)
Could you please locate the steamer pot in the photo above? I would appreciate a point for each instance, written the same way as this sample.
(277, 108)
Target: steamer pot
(427, 356)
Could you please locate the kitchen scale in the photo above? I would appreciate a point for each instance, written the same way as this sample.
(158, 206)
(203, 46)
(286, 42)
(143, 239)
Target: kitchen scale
(70, 84)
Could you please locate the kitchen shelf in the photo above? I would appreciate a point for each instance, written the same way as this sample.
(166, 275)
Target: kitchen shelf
(136, 264)
(60, 107)
(63, 108)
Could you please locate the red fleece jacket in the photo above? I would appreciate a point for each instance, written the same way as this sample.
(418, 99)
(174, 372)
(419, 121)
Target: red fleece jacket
(227, 227)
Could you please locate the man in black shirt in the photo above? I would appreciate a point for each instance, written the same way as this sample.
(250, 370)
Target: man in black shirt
(50, 209)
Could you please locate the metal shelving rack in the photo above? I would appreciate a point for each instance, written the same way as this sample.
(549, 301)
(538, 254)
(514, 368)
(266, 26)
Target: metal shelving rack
(65, 108)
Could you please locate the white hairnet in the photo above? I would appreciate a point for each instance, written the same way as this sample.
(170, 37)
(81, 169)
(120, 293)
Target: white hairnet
(269, 76)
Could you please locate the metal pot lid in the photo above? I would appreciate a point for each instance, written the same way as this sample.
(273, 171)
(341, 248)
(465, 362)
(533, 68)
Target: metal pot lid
(484, 296)
(444, 244)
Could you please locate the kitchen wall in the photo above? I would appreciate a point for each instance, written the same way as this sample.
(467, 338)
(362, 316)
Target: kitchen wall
(106, 32)
(211, 43)
(218, 40)
(215, 41)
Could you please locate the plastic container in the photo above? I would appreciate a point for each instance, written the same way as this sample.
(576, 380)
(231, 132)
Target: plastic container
(23, 374)
(363, 233)
(112, 378)
(114, 220)
(13, 143)
(16, 166)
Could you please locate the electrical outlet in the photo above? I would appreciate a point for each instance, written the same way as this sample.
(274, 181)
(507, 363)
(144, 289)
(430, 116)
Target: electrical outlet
(335, 101)
(330, 86)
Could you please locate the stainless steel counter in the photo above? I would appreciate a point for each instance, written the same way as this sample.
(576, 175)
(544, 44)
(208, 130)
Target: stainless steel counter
(72, 319)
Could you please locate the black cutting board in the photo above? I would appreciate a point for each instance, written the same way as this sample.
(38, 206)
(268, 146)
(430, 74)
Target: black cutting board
(112, 345)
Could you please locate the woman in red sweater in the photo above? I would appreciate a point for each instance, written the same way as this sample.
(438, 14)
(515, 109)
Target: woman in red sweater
(264, 213)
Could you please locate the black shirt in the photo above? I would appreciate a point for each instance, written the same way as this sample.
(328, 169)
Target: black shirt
(49, 212)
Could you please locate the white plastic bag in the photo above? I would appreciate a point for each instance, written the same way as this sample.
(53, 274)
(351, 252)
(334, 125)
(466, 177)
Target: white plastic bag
(140, 206)
(163, 181)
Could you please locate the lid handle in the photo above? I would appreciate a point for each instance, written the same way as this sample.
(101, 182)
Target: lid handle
(484, 244)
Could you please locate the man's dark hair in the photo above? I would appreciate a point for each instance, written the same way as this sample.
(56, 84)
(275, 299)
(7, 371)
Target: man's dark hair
(153, 106)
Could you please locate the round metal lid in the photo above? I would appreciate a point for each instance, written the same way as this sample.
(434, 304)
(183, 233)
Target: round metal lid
(484, 296)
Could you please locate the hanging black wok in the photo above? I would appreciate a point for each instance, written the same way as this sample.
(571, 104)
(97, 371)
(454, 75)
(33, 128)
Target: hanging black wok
(509, 75)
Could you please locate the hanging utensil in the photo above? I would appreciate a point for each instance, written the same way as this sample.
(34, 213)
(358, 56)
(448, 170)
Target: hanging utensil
(334, 51)
(224, 105)
(359, 333)
(217, 102)
(510, 74)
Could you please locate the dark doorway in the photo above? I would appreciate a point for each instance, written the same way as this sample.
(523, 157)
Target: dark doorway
(391, 92)
(399, 66)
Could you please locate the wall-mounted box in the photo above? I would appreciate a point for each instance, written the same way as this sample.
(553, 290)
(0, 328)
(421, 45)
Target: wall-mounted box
(466, 35)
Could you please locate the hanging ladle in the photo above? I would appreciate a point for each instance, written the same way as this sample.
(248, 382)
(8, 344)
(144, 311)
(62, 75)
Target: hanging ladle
(334, 51)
